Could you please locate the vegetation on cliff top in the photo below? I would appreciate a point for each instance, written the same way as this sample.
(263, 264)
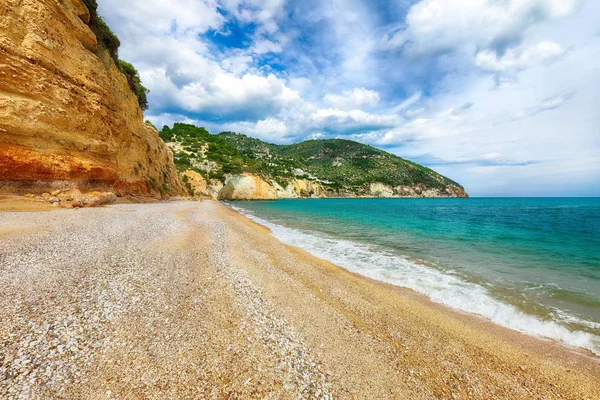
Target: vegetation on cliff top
(135, 83)
(196, 149)
(336, 163)
(105, 36)
(110, 42)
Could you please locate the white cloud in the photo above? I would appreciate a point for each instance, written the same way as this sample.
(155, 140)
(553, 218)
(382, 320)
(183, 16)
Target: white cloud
(439, 124)
(301, 84)
(228, 91)
(353, 121)
(308, 121)
(263, 46)
(538, 137)
(316, 136)
(547, 104)
(447, 25)
(350, 38)
(237, 63)
(182, 17)
(163, 41)
(518, 59)
(353, 99)
(269, 129)
(264, 13)
(487, 160)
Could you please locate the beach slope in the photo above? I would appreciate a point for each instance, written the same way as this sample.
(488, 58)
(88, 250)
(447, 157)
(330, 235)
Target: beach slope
(192, 300)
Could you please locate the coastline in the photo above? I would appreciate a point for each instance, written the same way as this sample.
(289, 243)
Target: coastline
(359, 248)
(475, 330)
(273, 313)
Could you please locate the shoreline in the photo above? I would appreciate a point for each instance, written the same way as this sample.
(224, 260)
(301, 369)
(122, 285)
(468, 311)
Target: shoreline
(469, 317)
(513, 319)
(211, 303)
(460, 322)
(11, 202)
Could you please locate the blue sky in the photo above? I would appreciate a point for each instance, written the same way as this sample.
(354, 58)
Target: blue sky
(501, 96)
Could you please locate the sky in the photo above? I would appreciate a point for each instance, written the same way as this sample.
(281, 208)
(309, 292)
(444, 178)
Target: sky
(502, 96)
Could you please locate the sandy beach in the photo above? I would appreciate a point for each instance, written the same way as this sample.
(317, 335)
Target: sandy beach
(193, 300)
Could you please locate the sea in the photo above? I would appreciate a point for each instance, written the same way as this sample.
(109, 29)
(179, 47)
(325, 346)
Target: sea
(528, 264)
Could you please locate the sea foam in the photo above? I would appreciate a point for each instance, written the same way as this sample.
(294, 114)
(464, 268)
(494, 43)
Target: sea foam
(445, 288)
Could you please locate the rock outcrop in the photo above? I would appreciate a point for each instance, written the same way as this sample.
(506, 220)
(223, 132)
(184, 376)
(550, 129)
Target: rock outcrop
(284, 192)
(307, 188)
(247, 187)
(417, 191)
(423, 191)
(300, 188)
(200, 188)
(196, 183)
(214, 188)
(73, 198)
(381, 190)
(252, 187)
(67, 115)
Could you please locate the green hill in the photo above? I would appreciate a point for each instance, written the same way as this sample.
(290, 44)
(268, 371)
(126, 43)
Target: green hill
(340, 167)
(354, 164)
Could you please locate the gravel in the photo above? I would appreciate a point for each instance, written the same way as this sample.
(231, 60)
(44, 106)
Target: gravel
(301, 372)
(102, 302)
(188, 300)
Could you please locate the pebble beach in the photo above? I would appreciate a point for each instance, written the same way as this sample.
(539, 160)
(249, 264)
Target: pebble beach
(192, 300)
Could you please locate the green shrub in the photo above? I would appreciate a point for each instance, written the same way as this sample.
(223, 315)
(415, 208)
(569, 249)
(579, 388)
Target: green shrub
(135, 83)
(182, 161)
(106, 37)
(148, 122)
(110, 42)
(164, 189)
(92, 6)
(217, 175)
(190, 189)
(232, 168)
(165, 134)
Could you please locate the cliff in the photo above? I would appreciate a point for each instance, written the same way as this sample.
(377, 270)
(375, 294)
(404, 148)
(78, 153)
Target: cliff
(199, 188)
(67, 114)
(247, 187)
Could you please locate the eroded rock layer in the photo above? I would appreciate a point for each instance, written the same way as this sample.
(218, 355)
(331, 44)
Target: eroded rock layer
(67, 115)
(247, 187)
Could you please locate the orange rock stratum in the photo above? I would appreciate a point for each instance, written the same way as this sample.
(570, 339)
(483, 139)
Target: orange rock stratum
(67, 115)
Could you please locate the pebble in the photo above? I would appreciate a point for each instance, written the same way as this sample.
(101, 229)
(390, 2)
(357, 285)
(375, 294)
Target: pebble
(75, 273)
(301, 370)
(58, 293)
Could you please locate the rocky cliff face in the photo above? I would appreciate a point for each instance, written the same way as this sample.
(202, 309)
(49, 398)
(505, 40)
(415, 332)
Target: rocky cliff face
(425, 192)
(252, 187)
(383, 190)
(199, 187)
(247, 187)
(67, 115)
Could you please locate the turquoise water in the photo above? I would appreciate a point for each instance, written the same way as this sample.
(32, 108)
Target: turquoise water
(531, 264)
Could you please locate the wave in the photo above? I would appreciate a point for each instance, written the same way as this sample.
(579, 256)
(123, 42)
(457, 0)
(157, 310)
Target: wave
(441, 287)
